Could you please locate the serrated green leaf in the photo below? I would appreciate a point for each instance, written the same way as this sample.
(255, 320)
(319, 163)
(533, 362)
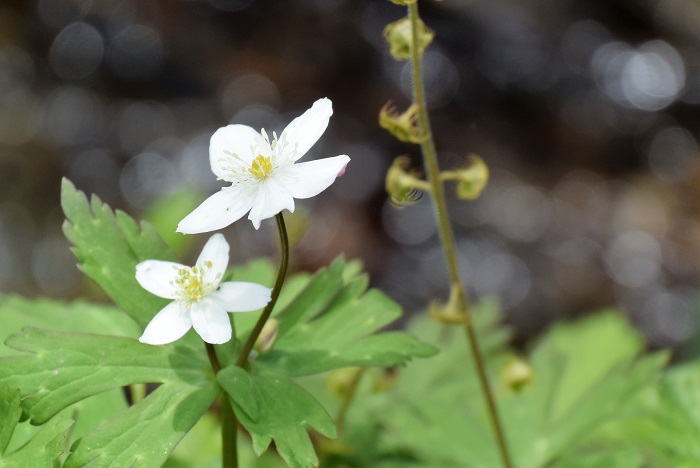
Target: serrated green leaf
(10, 411)
(285, 411)
(44, 448)
(147, 432)
(331, 323)
(67, 367)
(313, 299)
(109, 246)
(239, 386)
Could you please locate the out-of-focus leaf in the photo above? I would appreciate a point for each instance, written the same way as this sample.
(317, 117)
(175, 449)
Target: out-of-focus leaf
(437, 413)
(664, 422)
(18, 312)
(166, 212)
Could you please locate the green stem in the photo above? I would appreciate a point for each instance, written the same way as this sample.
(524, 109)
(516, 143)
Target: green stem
(229, 423)
(281, 274)
(348, 398)
(229, 433)
(446, 235)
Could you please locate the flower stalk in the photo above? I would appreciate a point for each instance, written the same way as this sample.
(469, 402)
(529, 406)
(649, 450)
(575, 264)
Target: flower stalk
(281, 274)
(438, 196)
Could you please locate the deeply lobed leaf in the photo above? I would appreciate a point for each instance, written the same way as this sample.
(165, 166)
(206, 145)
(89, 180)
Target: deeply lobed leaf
(109, 246)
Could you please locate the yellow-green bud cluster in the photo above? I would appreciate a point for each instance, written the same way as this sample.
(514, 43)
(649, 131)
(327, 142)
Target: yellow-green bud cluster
(471, 179)
(400, 38)
(403, 126)
(403, 185)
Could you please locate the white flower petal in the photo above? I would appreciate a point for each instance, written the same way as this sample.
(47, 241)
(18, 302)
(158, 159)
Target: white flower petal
(156, 277)
(308, 179)
(211, 321)
(219, 210)
(271, 198)
(305, 130)
(170, 324)
(233, 139)
(240, 296)
(215, 251)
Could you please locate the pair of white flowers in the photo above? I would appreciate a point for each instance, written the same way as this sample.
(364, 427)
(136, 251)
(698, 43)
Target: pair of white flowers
(265, 179)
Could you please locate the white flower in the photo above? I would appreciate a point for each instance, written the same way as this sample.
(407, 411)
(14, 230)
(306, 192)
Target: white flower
(200, 300)
(263, 175)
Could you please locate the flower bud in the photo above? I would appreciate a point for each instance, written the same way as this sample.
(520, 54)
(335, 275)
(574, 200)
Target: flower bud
(471, 179)
(268, 336)
(401, 184)
(517, 375)
(452, 313)
(340, 381)
(403, 126)
(384, 380)
(398, 36)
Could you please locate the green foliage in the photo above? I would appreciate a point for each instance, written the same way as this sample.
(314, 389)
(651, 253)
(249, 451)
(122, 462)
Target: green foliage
(332, 323)
(109, 246)
(328, 317)
(43, 449)
(282, 411)
(665, 420)
(166, 212)
(585, 375)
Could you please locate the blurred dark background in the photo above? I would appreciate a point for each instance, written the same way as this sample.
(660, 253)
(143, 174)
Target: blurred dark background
(586, 112)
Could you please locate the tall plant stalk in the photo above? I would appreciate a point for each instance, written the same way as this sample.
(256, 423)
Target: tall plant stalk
(446, 236)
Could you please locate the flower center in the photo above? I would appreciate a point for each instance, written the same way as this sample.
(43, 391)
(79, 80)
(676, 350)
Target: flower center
(261, 167)
(191, 284)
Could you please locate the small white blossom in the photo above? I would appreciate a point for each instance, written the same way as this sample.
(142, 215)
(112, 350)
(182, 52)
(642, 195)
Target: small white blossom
(200, 300)
(264, 175)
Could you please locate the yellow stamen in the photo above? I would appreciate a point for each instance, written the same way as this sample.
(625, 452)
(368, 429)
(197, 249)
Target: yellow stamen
(261, 167)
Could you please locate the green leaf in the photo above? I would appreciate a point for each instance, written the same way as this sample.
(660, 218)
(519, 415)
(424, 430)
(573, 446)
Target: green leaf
(10, 411)
(18, 312)
(166, 212)
(63, 368)
(44, 448)
(285, 410)
(584, 375)
(665, 421)
(331, 323)
(67, 367)
(240, 387)
(147, 432)
(109, 246)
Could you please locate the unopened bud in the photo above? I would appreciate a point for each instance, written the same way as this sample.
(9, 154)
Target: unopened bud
(517, 375)
(403, 126)
(384, 380)
(453, 312)
(402, 184)
(400, 39)
(471, 179)
(268, 336)
(340, 381)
